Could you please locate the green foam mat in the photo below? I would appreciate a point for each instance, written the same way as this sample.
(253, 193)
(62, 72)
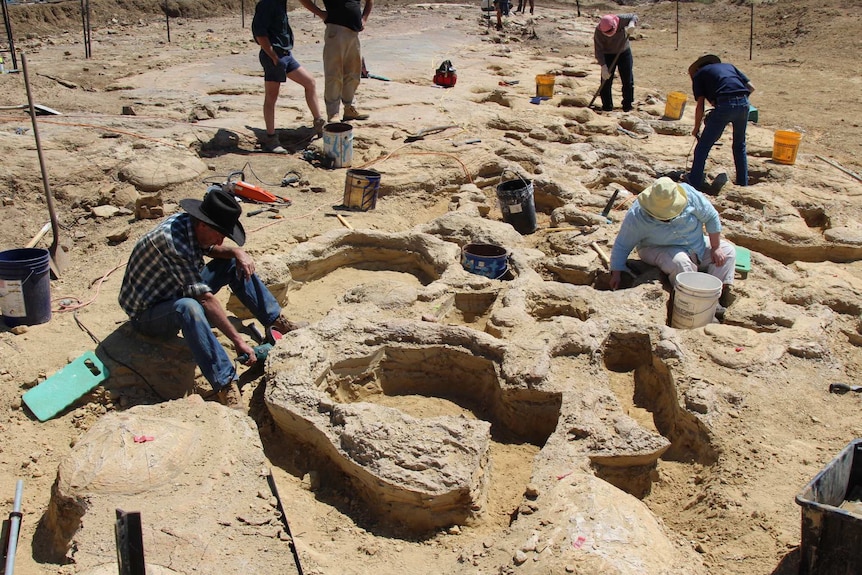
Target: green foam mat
(62, 389)
(743, 260)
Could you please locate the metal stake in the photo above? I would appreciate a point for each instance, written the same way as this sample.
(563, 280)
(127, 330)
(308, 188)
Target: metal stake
(14, 529)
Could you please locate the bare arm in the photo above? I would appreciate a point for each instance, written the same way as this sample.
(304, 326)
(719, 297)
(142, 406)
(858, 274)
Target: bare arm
(267, 48)
(312, 7)
(698, 116)
(714, 243)
(366, 11)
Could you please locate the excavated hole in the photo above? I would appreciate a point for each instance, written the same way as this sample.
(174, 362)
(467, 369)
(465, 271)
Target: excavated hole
(325, 293)
(471, 309)
(454, 375)
(814, 216)
(427, 382)
(649, 396)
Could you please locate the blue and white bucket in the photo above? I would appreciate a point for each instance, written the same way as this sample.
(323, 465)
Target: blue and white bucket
(485, 260)
(338, 144)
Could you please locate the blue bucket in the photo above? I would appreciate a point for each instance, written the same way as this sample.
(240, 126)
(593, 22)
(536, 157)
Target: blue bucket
(485, 260)
(25, 286)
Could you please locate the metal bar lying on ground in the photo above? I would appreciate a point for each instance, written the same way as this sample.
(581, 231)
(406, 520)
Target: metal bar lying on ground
(274, 488)
(840, 167)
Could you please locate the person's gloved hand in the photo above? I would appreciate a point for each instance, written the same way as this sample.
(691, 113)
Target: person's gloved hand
(605, 73)
(630, 28)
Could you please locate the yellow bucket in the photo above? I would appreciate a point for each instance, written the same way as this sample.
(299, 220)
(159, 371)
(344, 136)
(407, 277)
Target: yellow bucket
(675, 105)
(784, 147)
(545, 85)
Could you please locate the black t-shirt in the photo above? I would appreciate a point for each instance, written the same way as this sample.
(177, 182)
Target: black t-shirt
(270, 20)
(347, 13)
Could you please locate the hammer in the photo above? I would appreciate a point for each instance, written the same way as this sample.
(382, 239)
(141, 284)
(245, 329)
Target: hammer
(260, 211)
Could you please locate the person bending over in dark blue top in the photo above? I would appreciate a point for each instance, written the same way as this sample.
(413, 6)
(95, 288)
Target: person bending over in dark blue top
(727, 89)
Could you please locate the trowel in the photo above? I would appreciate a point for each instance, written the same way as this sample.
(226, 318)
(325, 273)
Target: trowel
(59, 258)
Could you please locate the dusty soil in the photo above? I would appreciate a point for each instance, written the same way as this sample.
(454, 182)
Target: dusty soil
(200, 95)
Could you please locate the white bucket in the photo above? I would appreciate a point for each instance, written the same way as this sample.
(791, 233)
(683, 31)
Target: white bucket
(338, 144)
(695, 297)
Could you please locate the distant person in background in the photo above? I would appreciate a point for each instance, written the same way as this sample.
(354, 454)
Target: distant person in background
(727, 89)
(342, 56)
(666, 224)
(522, 5)
(502, 7)
(271, 30)
(613, 51)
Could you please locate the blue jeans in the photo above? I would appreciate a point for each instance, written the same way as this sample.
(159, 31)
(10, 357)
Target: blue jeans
(733, 110)
(625, 64)
(186, 314)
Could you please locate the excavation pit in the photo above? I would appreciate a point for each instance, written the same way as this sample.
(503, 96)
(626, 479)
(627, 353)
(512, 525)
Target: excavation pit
(336, 388)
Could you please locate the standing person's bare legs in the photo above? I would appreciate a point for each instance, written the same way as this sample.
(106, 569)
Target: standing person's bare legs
(306, 80)
(270, 97)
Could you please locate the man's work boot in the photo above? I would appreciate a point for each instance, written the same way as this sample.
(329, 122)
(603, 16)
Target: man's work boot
(350, 113)
(270, 143)
(318, 126)
(230, 396)
(281, 326)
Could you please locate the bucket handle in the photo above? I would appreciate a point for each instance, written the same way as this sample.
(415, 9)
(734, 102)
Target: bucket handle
(507, 169)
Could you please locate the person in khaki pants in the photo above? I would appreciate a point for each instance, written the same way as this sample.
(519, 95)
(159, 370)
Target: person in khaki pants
(342, 58)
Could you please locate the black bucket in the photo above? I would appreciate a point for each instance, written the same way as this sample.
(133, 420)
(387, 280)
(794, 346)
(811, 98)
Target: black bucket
(517, 204)
(25, 286)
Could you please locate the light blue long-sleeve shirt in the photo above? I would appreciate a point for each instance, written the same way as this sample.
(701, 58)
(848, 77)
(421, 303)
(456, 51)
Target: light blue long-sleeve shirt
(639, 229)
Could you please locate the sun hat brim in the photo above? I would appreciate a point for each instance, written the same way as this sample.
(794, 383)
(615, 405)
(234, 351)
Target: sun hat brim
(223, 223)
(705, 60)
(664, 199)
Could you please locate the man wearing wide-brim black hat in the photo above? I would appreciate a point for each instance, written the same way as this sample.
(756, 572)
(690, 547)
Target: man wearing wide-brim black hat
(167, 288)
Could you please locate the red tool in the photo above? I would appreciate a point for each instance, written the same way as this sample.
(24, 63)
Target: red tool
(253, 193)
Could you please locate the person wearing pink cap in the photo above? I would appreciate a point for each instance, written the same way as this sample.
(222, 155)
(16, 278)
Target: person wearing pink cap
(612, 48)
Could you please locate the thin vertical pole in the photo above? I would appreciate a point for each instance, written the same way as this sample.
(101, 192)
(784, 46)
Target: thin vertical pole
(9, 36)
(168, 21)
(677, 24)
(242, 8)
(751, 34)
(578, 2)
(14, 527)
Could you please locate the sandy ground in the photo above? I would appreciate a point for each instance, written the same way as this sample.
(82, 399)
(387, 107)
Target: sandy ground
(738, 513)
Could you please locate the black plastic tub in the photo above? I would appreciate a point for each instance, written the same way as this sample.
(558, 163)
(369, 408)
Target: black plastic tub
(831, 519)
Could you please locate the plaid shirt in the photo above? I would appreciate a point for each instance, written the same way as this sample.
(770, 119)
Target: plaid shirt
(165, 265)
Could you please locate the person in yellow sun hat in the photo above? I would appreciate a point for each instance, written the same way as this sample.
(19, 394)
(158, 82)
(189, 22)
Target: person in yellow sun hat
(666, 224)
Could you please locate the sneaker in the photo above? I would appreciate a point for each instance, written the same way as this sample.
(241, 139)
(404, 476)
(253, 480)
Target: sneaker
(271, 144)
(350, 113)
(318, 126)
(230, 396)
